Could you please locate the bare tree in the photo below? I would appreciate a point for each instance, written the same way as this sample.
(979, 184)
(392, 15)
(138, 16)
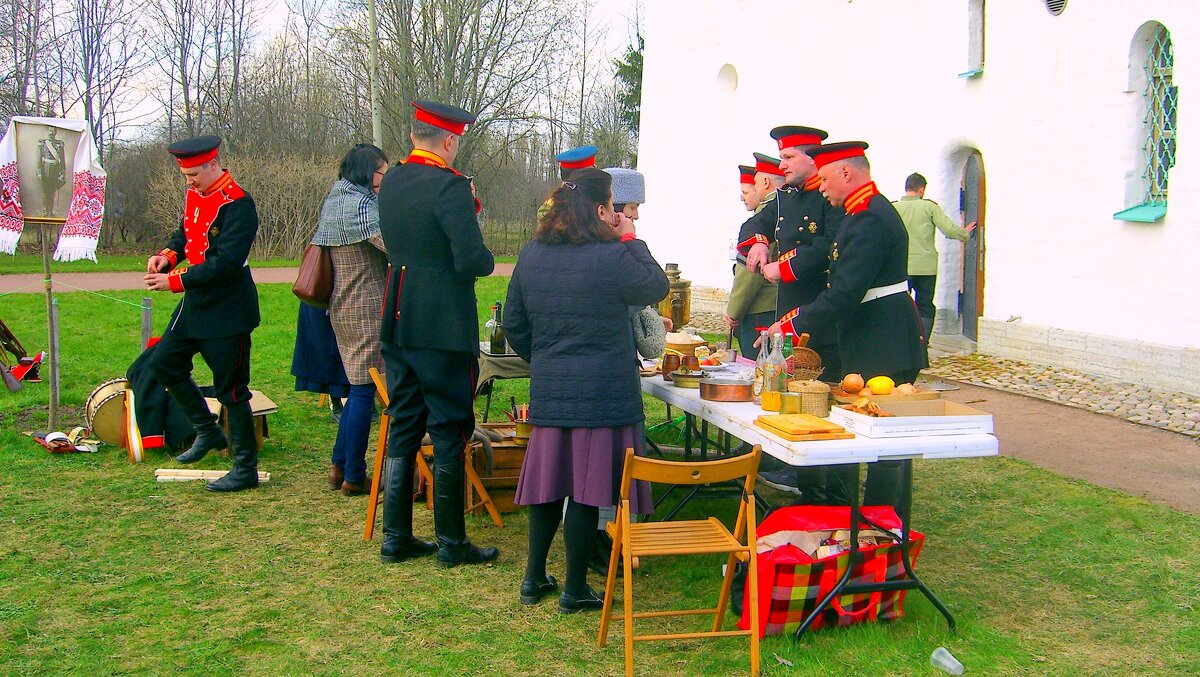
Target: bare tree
(105, 55)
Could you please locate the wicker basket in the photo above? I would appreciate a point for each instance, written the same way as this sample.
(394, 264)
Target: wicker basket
(807, 363)
(814, 397)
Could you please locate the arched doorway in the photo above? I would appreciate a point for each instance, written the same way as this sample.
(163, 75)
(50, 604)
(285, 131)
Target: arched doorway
(970, 304)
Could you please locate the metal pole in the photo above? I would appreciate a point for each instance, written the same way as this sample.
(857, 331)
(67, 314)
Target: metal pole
(376, 106)
(54, 382)
(147, 320)
(52, 326)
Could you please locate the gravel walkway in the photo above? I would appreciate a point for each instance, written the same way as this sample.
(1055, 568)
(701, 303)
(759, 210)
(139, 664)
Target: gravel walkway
(1174, 411)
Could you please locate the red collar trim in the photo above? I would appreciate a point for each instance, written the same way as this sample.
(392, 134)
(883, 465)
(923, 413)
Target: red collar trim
(858, 200)
(424, 157)
(220, 184)
(813, 182)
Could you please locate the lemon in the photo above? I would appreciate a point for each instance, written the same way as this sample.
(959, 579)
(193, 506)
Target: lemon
(881, 385)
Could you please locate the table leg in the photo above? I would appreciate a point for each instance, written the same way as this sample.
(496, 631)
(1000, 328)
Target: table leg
(911, 580)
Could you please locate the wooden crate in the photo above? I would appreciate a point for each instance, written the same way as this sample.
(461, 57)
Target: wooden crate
(501, 482)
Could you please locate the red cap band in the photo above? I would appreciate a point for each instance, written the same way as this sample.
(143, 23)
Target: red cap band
(747, 178)
(579, 164)
(196, 160)
(799, 140)
(822, 159)
(440, 122)
(767, 168)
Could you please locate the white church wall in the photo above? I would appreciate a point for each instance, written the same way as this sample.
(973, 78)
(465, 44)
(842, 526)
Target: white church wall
(1053, 116)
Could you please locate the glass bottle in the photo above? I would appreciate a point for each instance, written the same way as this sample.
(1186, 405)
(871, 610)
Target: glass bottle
(759, 366)
(775, 369)
(499, 345)
(789, 361)
(489, 328)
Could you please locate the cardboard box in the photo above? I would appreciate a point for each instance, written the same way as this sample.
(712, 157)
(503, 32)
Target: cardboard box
(916, 419)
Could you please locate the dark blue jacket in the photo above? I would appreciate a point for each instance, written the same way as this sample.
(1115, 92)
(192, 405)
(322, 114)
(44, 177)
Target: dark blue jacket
(568, 315)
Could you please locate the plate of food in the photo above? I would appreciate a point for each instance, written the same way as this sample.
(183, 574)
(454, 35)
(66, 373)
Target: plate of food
(709, 368)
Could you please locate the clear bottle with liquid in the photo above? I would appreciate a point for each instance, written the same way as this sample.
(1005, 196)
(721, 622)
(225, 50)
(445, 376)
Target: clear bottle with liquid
(760, 366)
(775, 368)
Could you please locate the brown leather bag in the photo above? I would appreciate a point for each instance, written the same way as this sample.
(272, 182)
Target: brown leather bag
(314, 283)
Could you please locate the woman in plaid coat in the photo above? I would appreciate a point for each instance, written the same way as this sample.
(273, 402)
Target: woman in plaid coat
(349, 226)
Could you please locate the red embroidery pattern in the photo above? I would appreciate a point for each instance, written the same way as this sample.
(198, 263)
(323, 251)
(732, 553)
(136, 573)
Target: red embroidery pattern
(87, 207)
(10, 199)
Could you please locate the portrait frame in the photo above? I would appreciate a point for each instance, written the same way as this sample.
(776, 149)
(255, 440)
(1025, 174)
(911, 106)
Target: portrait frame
(46, 169)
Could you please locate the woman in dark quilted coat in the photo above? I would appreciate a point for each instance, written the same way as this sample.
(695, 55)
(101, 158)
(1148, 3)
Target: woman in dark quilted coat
(568, 315)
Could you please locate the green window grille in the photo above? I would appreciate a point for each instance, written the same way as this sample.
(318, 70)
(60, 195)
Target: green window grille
(1161, 99)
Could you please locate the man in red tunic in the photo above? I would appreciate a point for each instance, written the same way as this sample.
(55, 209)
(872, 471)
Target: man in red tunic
(218, 310)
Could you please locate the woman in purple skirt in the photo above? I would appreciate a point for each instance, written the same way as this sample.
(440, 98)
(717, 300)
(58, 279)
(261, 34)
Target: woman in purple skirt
(568, 315)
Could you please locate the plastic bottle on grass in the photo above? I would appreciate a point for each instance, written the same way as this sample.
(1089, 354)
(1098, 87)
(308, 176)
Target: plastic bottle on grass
(943, 660)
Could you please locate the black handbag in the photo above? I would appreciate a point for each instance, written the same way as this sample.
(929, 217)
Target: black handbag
(314, 283)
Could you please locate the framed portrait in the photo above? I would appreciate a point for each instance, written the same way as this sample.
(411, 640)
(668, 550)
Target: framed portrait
(46, 167)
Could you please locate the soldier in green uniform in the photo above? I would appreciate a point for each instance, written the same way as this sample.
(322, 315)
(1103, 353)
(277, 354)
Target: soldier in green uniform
(752, 298)
(920, 218)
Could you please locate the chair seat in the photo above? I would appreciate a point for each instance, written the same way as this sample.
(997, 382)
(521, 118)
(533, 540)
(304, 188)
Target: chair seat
(679, 538)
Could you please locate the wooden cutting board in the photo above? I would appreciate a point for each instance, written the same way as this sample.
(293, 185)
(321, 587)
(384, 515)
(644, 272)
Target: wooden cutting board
(802, 427)
(805, 437)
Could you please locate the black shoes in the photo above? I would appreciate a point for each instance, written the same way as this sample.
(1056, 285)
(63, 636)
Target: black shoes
(400, 548)
(464, 553)
(532, 592)
(588, 601)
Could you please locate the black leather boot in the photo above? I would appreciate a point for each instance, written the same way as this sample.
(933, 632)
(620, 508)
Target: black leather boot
(927, 325)
(209, 435)
(448, 503)
(398, 541)
(244, 474)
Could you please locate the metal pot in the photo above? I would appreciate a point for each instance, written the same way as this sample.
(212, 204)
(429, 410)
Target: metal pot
(688, 380)
(717, 389)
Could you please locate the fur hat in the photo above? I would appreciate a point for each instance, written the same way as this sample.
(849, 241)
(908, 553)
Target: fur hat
(628, 185)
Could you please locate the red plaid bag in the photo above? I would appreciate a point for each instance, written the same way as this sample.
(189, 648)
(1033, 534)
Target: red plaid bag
(791, 583)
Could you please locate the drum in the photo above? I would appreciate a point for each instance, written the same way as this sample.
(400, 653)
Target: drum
(104, 411)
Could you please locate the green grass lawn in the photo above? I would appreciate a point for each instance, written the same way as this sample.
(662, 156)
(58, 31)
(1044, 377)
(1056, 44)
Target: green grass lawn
(104, 263)
(104, 571)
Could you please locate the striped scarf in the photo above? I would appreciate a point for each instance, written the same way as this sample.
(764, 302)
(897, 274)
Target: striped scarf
(350, 215)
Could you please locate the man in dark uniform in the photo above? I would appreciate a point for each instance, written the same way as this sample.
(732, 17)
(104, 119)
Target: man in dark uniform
(218, 311)
(866, 301)
(430, 332)
(804, 227)
(803, 224)
(751, 298)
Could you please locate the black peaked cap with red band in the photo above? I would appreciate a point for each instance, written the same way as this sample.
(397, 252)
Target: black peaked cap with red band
(443, 116)
(792, 135)
(746, 174)
(767, 164)
(195, 151)
(832, 152)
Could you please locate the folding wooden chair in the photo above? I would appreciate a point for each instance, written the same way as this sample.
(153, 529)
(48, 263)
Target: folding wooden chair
(423, 469)
(690, 537)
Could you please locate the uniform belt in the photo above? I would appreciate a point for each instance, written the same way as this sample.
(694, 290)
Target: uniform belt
(880, 292)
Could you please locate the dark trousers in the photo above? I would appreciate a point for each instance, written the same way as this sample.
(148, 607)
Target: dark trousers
(831, 361)
(430, 391)
(923, 287)
(228, 357)
(746, 332)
